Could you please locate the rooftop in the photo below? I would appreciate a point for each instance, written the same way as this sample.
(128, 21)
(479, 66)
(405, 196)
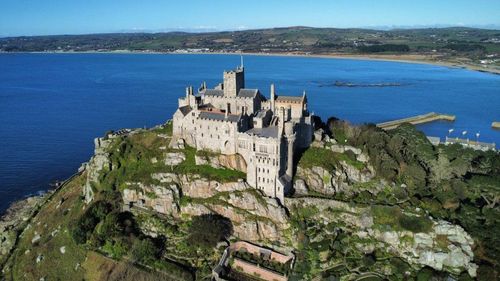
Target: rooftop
(219, 116)
(243, 93)
(292, 99)
(185, 109)
(267, 132)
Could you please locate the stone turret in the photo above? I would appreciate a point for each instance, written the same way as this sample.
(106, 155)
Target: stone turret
(187, 95)
(273, 97)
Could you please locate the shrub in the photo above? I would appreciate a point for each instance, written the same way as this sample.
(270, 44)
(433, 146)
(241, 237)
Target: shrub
(415, 224)
(144, 250)
(115, 249)
(85, 225)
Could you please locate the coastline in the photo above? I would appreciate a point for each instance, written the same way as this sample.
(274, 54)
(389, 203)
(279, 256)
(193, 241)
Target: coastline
(17, 218)
(406, 58)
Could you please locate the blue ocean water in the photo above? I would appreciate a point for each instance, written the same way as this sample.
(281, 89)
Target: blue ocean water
(52, 106)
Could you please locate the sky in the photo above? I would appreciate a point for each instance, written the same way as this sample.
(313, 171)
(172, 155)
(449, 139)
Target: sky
(44, 17)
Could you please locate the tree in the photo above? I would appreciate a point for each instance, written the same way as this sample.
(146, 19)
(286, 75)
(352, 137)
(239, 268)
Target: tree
(207, 230)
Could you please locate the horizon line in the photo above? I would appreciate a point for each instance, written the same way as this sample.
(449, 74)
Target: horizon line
(195, 30)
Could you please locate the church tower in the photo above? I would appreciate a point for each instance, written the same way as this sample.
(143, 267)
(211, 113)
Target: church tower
(234, 80)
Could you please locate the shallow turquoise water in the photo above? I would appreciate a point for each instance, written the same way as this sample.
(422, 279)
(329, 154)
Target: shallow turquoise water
(53, 105)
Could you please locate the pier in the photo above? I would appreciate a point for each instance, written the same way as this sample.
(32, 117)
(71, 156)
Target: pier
(496, 125)
(419, 119)
(477, 145)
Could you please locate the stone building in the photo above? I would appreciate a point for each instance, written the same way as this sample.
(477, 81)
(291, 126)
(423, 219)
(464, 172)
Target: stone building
(231, 119)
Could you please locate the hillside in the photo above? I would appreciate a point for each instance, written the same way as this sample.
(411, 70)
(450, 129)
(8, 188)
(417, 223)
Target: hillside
(367, 205)
(459, 45)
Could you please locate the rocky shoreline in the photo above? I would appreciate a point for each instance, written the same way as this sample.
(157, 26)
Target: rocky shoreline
(15, 219)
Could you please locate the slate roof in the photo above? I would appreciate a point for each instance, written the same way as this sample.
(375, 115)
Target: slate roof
(266, 132)
(247, 93)
(185, 109)
(294, 99)
(219, 116)
(214, 92)
(261, 113)
(243, 93)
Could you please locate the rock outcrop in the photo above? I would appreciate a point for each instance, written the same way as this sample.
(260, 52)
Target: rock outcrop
(174, 158)
(330, 182)
(99, 162)
(163, 200)
(254, 216)
(233, 161)
(445, 247)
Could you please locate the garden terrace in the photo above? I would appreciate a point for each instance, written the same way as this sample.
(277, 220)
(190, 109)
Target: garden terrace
(261, 262)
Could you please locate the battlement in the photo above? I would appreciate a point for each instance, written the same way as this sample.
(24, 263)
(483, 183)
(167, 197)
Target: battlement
(233, 81)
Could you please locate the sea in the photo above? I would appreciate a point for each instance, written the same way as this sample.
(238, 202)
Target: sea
(52, 106)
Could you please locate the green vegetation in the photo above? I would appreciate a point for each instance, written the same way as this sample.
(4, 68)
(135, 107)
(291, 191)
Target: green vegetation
(327, 159)
(51, 224)
(397, 220)
(392, 48)
(451, 182)
(99, 241)
(208, 230)
(189, 167)
(131, 161)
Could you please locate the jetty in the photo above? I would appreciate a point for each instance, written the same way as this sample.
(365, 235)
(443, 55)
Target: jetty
(419, 119)
(495, 125)
(477, 145)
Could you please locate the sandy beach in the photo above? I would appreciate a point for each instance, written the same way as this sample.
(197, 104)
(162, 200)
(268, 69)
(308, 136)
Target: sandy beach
(406, 58)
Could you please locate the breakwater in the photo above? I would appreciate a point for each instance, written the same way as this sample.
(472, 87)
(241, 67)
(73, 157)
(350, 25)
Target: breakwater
(419, 119)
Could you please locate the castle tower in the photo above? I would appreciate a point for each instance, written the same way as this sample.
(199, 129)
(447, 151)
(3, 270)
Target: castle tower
(290, 138)
(234, 80)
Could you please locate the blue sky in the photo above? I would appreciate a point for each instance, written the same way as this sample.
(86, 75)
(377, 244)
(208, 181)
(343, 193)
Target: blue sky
(41, 17)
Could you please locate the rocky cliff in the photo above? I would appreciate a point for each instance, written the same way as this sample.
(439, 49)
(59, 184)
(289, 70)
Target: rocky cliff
(327, 223)
(255, 217)
(98, 164)
(441, 245)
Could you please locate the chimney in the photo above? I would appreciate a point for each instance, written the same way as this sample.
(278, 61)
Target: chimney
(273, 94)
(187, 96)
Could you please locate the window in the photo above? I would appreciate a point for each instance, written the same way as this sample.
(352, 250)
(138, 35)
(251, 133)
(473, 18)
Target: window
(263, 148)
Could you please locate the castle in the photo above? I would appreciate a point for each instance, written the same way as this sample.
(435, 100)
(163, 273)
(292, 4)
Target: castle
(231, 119)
